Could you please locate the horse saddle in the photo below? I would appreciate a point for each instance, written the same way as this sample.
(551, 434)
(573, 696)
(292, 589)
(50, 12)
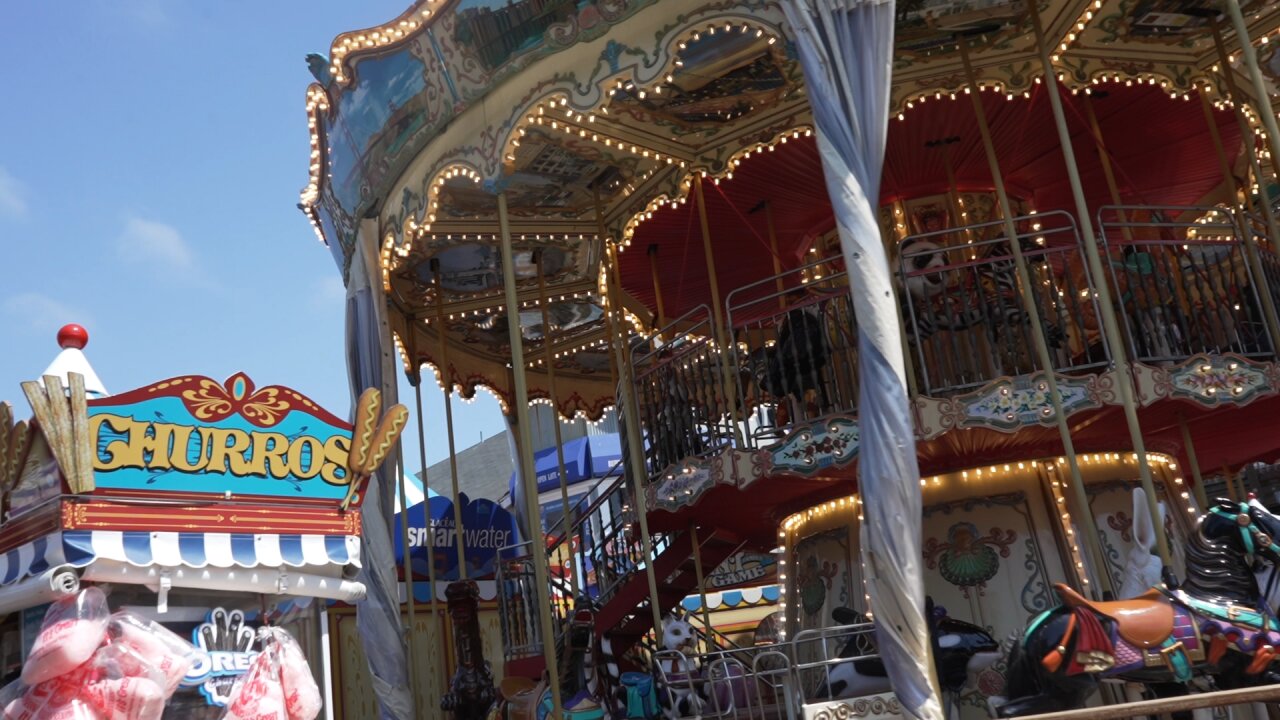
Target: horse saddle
(1145, 621)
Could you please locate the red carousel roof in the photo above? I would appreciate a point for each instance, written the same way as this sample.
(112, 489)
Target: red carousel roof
(1161, 151)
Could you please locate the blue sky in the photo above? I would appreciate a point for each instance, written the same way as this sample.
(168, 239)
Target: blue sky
(151, 154)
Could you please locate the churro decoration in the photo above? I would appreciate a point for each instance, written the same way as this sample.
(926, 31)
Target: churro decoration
(372, 439)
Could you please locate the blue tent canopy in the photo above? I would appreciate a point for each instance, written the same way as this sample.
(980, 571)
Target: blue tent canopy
(584, 458)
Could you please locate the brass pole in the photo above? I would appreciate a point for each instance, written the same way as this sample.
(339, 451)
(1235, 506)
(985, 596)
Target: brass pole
(1081, 501)
(549, 357)
(1264, 197)
(1107, 171)
(657, 289)
(1261, 102)
(631, 411)
(447, 381)
(1224, 165)
(717, 311)
(1190, 447)
(702, 581)
(1111, 326)
(408, 583)
(1227, 476)
(777, 260)
(520, 406)
(433, 625)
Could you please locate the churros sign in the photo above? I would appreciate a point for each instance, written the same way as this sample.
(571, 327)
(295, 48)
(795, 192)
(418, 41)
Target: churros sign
(195, 436)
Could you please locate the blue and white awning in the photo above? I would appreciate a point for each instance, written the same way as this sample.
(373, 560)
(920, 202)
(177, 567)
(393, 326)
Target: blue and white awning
(80, 548)
(730, 599)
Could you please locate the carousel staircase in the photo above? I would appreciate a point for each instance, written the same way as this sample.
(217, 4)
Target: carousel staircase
(607, 553)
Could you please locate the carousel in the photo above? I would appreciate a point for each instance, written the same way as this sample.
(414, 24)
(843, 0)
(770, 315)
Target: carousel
(646, 206)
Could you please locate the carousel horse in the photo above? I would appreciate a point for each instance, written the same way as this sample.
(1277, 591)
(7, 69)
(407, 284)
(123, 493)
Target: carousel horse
(793, 366)
(580, 688)
(1218, 623)
(959, 650)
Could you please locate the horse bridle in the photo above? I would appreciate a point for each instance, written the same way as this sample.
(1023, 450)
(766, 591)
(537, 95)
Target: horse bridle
(1250, 534)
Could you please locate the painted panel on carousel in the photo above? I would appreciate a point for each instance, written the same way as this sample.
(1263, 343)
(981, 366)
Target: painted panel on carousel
(192, 436)
(823, 445)
(487, 528)
(986, 563)
(1209, 380)
(823, 577)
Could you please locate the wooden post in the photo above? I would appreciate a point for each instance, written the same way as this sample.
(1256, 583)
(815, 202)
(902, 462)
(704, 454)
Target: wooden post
(520, 406)
(1264, 197)
(702, 582)
(657, 288)
(447, 380)
(1261, 103)
(631, 411)
(549, 357)
(1190, 447)
(721, 333)
(777, 259)
(1081, 502)
(1111, 325)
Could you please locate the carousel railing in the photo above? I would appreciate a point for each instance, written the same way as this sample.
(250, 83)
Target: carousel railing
(964, 315)
(795, 350)
(1182, 282)
(684, 400)
(1268, 254)
(765, 681)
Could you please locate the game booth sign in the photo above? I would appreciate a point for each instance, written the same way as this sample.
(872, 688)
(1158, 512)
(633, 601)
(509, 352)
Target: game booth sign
(214, 516)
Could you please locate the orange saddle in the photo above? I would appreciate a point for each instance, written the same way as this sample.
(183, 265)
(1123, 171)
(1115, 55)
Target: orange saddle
(1145, 621)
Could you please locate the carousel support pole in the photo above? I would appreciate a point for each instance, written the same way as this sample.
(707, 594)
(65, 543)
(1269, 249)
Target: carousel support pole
(1261, 102)
(408, 583)
(778, 285)
(448, 424)
(1111, 327)
(702, 582)
(520, 406)
(549, 357)
(1190, 447)
(431, 537)
(1108, 171)
(657, 288)
(1252, 257)
(1080, 500)
(721, 333)
(1229, 478)
(631, 411)
(953, 193)
(1224, 165)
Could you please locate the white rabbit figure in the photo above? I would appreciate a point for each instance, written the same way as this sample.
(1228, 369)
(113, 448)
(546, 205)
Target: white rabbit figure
(1142, 571)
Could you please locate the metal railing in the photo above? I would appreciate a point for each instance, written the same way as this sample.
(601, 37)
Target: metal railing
(1182, 282)
(965, 318)
(685, 402)
(766, 681)
(795, 346)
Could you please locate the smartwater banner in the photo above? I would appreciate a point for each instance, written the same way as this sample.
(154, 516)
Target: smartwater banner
(433, 536)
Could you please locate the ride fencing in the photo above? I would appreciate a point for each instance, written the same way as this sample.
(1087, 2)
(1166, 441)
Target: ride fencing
(965, 319)
(1182, 282)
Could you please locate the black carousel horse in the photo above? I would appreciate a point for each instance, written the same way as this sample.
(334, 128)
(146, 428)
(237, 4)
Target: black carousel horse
(1218, 623)
(795, 364)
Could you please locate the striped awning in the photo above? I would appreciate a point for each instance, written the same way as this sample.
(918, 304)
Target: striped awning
(729, 599)
(79, 548)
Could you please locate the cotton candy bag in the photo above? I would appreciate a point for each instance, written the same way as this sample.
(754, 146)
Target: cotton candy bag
(171, 656)
(122, 684)
(258, 695)
(73, 629)
(57, 699)
(301, 694)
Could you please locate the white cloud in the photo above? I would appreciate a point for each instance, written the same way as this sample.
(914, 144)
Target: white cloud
(161, 246)
(13, 197)
(42, 313)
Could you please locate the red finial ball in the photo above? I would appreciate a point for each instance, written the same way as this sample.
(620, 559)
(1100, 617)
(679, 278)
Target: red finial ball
(73, 336)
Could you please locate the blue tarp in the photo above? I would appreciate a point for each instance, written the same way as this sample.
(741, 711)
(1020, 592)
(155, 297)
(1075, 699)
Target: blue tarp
(584, 458)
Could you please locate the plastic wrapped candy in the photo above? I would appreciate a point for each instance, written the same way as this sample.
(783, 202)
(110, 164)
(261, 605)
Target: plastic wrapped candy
(58, 699)
(73, 629)
(301, 694)
(122, 684)
(171, 655)
(258, 695)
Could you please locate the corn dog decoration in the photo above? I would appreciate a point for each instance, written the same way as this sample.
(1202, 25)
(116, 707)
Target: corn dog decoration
(372, 439)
